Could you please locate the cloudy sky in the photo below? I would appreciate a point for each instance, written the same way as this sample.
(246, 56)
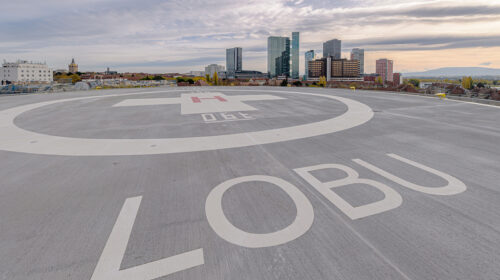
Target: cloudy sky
(178, 36)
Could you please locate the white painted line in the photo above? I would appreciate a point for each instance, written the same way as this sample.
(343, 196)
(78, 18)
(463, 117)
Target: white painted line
(109, 263)
(16, 139)
(230, 120)
(475, 103)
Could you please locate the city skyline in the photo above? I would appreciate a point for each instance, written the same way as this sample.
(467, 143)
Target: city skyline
(153, 36)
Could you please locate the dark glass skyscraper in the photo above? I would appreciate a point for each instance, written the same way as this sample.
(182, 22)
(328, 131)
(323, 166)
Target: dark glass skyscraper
(332, 48)
(309, 56)
(278, 56)
(233, 61)
(295, 55)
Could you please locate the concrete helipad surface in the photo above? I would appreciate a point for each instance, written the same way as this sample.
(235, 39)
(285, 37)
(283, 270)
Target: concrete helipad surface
(248, 183)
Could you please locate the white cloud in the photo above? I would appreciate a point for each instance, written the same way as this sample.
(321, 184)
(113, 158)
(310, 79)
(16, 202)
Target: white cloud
(124, 33)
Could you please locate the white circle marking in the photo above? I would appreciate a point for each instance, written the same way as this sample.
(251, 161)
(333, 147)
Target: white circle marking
(16, 139)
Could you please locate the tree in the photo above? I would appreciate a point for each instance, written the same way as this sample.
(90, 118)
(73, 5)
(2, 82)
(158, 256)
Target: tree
(297, 83)
(322, 81)
(158, 78)
(480, 85)
(495, 83)
(284, 83)
(147, 78)
(207, 77)
(75, 78)
(379, 81)
(414, 82)
(180, 79)
(467, 83)
(190, 81)
(216, 78)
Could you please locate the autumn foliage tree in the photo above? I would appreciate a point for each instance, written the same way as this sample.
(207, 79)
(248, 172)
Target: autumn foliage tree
(216, 79)
(467, 83)
(75, 78)
(322, 81)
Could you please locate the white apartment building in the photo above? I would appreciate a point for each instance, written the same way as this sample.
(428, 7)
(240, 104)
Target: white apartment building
(24, 71)
(212, 68)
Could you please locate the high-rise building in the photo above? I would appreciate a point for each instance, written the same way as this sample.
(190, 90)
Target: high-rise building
(309, 56)
(359, 54)
(295, 54)
(233, 61)
(24, 71)
(278, 56)
(332, 48)
(73, 67)
(214, 68)
(384, 68)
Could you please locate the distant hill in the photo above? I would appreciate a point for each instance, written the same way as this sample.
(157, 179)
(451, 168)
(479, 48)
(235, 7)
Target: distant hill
(456, 72)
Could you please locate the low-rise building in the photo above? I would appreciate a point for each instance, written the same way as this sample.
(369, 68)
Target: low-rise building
(197, 73)
(249, 74)
(25, 72)
(425, 85)
(347, 79)
(371, 78)
(397, 79)
(345, 68)
(316, 68)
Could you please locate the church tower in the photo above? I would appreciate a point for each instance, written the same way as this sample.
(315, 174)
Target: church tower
(73, 67)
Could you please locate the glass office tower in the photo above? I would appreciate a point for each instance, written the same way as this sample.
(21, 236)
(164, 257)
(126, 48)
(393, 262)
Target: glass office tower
(278, 56)
(359, 54)
(332, 48)
(309, 56)
(295, 55)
